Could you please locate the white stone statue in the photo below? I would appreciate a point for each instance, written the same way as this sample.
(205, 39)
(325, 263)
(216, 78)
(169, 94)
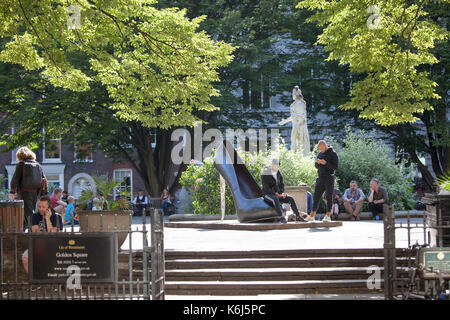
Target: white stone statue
(299, 134)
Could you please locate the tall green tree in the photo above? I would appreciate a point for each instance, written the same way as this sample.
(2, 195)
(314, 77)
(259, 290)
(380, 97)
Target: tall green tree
(431, 135)
(275, 51)
(388, 41)
(400, 49)
(146, 68)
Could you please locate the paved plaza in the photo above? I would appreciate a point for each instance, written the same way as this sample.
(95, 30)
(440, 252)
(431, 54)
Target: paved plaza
(352, 234)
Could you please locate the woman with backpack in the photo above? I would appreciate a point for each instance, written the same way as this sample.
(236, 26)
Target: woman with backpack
(28, 182)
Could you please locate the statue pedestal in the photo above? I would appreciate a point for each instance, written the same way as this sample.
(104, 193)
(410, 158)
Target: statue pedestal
(299, 195)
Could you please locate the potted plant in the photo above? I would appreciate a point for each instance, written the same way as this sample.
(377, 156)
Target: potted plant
(105, 214)
(444, 183)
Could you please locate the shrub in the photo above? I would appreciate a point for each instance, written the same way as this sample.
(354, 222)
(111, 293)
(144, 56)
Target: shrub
(295, 167)
(203, 184)
(363, 157)
(4, 195)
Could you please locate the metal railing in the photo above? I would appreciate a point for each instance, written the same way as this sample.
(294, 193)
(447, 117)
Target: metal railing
(139, 269)
(404, 279)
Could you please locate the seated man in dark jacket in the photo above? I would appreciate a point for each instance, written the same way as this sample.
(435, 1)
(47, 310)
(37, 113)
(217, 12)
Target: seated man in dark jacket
(273, 189)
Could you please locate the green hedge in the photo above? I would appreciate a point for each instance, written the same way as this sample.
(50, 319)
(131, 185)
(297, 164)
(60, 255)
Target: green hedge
(363, 157)
(4, 195)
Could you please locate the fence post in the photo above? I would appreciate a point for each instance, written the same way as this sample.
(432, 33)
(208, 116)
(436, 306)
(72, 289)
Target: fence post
(157, 254)
(389, 251)
(222, 196)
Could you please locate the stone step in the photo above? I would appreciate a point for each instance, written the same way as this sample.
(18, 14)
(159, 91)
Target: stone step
(170, 255)
(243, 274)
(235, 225)
(274, 262)
(280, 274)
(267, 287)
(240, 272)
(264, 263)
(299, 253)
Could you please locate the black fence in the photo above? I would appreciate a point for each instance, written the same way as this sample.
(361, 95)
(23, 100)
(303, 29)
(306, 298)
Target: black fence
(104, 257)
(424, 271)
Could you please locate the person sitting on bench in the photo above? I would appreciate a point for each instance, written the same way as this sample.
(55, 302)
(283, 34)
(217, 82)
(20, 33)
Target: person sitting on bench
(273, 190)
(377, 197)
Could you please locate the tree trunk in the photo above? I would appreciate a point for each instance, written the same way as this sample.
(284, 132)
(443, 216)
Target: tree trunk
(427, 177)
(245, 94)
(266, 92)
(255, 94)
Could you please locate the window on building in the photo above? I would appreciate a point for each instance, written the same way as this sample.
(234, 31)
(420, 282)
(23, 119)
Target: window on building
(79, 186)
(82, 153)
(153, 137)
(52, 150)
(52, 182)
(126, 187)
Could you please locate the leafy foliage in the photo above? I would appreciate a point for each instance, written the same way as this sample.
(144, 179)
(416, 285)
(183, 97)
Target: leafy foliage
(444, 181)
(104, 186)
(362, 157)
(154, 64)
(274, 51)
(389, 55)
(202, 183)
(129, 71)
(4, 195)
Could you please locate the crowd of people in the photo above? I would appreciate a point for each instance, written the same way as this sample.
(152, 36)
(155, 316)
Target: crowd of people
(30, 185)
(142, 202)
(326, 163)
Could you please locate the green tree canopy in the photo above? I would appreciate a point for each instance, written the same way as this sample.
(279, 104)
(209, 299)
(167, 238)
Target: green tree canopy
(387, 41)
(156, 66)
(127, 71)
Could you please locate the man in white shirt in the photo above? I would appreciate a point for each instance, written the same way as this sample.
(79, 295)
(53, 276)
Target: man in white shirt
(141, 202)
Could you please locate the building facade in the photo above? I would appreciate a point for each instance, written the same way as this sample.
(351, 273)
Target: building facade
(64, 168)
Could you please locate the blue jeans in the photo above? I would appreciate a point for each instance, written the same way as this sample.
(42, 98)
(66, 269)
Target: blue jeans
(165, 205)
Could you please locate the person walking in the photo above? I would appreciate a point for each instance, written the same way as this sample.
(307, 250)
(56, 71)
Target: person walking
(28, 182)
(327, 163)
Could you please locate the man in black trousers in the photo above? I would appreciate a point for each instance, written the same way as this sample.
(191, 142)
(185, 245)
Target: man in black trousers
(273, 189)
(326, 163)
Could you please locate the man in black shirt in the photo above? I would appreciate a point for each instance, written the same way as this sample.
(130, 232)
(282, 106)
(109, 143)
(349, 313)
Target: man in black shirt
(326, 164)
(43, 220)
(273, 189)
(377, 197)
(46, 219)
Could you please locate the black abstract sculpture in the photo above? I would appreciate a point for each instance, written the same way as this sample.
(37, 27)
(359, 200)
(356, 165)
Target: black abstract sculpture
(247, 195)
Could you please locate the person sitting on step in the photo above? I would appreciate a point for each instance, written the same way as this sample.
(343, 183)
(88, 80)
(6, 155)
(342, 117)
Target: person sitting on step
(273, 190)
(377, 197)
(354, 200)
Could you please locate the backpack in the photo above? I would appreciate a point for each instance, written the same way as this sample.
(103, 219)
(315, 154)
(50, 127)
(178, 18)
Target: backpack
(31, 175)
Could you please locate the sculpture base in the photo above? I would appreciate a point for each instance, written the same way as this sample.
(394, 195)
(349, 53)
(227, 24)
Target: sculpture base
(236, 225)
